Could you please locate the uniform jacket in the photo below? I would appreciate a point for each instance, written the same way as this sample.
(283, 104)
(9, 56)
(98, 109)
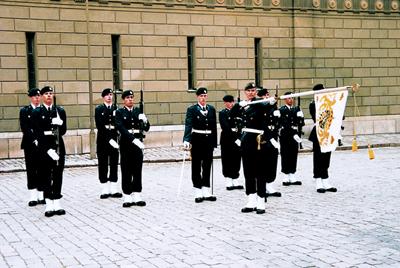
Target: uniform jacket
(105, 123)
(127, 121)
(196, 120)
(313, 134)
(290, 123)
(42, 125)
(227, 123)
(26, 123)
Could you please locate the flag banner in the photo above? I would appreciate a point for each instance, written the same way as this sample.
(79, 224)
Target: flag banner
(329, 110)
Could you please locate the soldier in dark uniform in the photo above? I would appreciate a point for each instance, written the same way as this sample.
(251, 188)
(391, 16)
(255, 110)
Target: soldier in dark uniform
(230, 145)
(255, 136)
(131, 124)
(291, 121)
(270, 150)
(321, 160)
(201, 135)
(50, 124)
(107, 145)
(30, 146)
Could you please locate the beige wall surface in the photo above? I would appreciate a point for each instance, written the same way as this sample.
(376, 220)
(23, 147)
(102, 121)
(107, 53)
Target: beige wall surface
(330, 42)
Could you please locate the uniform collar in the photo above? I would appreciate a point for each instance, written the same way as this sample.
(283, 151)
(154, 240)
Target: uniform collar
(290, 107)
(47, 107)
(33, 106)
(129, 109)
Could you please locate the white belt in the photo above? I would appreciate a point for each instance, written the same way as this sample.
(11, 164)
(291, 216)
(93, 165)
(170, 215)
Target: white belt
(201, 131)
(133, 131)
(48, 133)
(109, 127)
(253, 130)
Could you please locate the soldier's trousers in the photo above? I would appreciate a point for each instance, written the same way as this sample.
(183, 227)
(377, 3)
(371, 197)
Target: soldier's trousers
(107, 161)
(253, 160)
(51, 174)
(230, 158)
(289, 153)
(131, 168)
(32, 163)
(270, 165)
(202, 157)
(321, 162)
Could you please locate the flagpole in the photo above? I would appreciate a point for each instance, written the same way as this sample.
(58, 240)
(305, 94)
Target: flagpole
(326, 90)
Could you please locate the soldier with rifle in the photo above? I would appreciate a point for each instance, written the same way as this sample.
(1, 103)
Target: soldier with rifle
(230, 145)
(256, 135)
(291, 123)
(107, 144)
(131, 123)
(271, 120)
(30, 146)
(50, 124)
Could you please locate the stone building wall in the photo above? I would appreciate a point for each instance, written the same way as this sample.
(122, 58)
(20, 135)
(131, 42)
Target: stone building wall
(303, 43)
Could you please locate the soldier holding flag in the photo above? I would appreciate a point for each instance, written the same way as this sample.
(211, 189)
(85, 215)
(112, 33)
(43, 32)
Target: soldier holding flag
(50, 124)
(201, 136)
(321, 160)
(131, 122)
(107, 145)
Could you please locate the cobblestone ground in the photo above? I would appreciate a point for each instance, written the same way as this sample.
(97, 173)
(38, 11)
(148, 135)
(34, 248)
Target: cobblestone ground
(358, 226)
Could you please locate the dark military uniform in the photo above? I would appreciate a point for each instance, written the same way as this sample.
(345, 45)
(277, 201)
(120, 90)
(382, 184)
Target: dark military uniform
(269, 151)
(107, 155)
(230, 151)
(290, 124)
(51, 171)
(130, 128)
(201, 132)
(254, 157)
(31, 150)
(321, 160)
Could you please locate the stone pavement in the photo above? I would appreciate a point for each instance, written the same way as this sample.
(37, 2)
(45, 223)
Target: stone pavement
(174, 154)
(358, 226)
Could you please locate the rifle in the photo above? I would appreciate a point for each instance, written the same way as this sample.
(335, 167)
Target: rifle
(141, 109)
(300, 129)
(56, 130)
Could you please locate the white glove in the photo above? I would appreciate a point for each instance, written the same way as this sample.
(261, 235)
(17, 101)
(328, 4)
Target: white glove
(143, 118)
(243, 103)
(275, 143)
(36, 142)
(300, 114)
(277, 113)
(186, 145)
(52, 153)
(57, 121)
(138, 143)
(238, 142)
(297, 138)
(113, 143)
(271, 100)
